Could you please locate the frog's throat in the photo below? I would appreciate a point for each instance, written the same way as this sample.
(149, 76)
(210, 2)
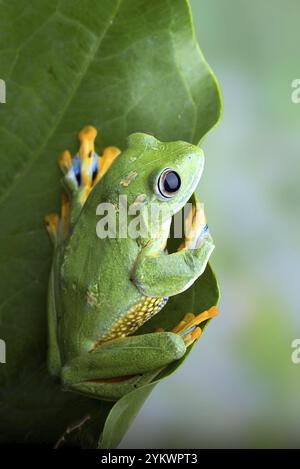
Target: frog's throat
(134, 318)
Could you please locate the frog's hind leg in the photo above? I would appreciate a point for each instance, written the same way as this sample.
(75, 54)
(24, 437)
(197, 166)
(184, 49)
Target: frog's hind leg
(114, 388)
(118, 366)
(85, 169)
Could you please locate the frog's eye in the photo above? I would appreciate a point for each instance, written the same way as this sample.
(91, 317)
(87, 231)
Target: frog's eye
(168, 183)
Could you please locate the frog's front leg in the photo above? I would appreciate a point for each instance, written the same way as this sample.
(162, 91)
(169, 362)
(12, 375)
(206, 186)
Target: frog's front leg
(118, 366)
(167, 275)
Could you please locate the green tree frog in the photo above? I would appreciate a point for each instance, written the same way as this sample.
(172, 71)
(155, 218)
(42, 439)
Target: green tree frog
(103, 289)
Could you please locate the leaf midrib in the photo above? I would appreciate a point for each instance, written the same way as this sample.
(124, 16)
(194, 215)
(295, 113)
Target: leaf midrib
(61, 115)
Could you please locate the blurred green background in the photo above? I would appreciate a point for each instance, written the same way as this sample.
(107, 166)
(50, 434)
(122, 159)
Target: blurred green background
(239, 387)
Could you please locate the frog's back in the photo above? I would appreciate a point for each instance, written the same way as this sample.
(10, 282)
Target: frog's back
(95, 287)
(98, 299)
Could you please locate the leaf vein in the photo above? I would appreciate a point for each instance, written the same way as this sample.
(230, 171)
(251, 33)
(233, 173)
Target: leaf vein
(92, 56)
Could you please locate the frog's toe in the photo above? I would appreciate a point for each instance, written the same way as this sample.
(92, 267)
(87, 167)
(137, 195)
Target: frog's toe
(57, 226)
(187, 319)
(86, 162)
(105, 161)
(65, 161)
(92, 167)
(52, 222)
(189, 328)
(195, 226)
(192, 336)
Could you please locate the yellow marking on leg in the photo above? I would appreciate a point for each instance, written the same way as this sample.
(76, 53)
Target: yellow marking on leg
(51, 222)
(105, 161)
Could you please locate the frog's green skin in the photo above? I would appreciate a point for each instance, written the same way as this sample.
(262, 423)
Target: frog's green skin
(102, 290)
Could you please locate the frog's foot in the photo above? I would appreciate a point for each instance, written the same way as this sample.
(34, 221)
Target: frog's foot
(86, 168)
(80, 171)
(195, 226)
(189, 328)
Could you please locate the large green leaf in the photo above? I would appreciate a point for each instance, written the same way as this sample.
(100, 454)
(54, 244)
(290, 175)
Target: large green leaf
(122, 66)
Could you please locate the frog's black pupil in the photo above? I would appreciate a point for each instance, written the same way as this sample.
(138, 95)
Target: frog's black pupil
(172, 182)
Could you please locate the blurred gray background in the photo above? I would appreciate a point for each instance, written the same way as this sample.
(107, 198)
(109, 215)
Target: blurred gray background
(239, 387)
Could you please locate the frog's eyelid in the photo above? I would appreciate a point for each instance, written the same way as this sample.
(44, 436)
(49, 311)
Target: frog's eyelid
(162, 194)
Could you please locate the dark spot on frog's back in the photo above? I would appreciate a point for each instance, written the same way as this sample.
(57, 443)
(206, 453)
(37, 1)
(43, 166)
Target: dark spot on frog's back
(128, 178)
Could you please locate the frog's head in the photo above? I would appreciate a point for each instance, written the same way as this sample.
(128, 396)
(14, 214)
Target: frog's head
(166, 173)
